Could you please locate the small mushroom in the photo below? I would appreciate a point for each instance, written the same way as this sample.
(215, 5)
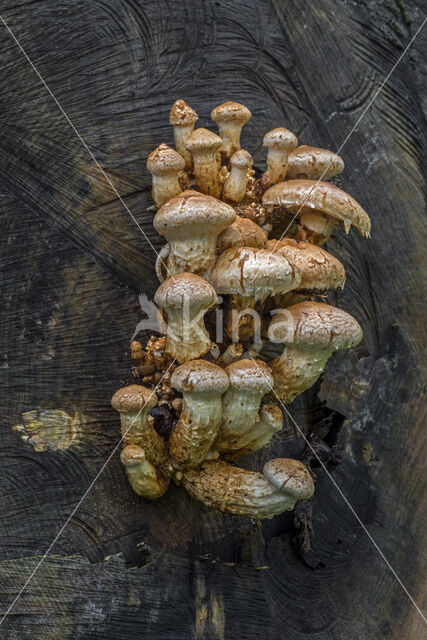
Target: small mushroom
(250, 380)
(312, 163)
(185, 298)
(191, 222)
(230, 118)
(233, 353)
(202, 384)
(270, 422)
(319, 205)
(231, 489)
(279, 142)
(242, 233)
(204, 148)
(236, 181)
(133, 403)
(249, 275)
(146, 480)
(183, 118)
(165, 165)
(311, 332)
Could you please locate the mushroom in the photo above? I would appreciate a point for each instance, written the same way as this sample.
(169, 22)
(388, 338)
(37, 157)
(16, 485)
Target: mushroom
(279, 142)
(183, 118)
(202, 385)
(250, 380)
(242, 233)
(319, 205)
(249, 275)
(313, 163)
(146, 480)
(232, 353)
(230, 118)
(165, 165)
(236, 181)
(204, 148)
(311, 332)
(185, 298)
(247, 493)
(270, 421)
(191, 222)
(133, 403)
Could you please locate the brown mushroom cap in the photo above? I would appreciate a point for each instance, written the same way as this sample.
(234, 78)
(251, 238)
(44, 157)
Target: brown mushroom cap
(164, 159)
(133, 397)
(313, 163)
(316, 324)
(191, 210)
(231, 111)
(200, 376)
(203, 139)
(181, 113)
(132, 454)
(290, 476)
(182, 287)
(322, 198)
(280, 138)
(250, 375)
(242, 233)
(319, 270)
(241, 159)
(253, 272)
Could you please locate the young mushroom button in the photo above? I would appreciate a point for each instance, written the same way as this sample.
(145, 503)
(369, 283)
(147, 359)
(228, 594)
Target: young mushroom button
(145, 479)
(202, 385)
(165, 165)
(236, 182)
(183, 118)
(313, 163)
(230, 118)
(311, 332)
(185, 298)
(279, 142)
(204, 148)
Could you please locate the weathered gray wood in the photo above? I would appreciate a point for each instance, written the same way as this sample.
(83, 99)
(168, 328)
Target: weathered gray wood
(73, 263)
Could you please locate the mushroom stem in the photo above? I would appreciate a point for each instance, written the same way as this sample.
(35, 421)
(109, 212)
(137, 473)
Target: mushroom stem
(280, 142)
(233, 353)
(230, 118)
(146, 480)
(297, 369)
(236, 181)
(315, 228)
(183, 118)
(270, 421)
(204, 148)
(248, 493)
(241, 319)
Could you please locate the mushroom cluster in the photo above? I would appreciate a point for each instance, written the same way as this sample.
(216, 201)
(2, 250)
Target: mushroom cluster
(243, 267)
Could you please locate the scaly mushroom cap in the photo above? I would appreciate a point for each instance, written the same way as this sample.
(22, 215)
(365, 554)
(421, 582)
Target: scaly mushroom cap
(181, 113)
(313, 163)
(200, 376)
(231, 111)
(280, 138)
(163, 160)
(253, 272)
(132, 398)
(319, 270)
(290, 476)
(322, 198)
(192, 212)
(242, 233)
(184, 288)
(250, 375)
(316, 324)
(241, 159)
(203, 139)
(132, 454)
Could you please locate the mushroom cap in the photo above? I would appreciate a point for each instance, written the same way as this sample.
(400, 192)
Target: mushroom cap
(253, 272)
(231, 111)
(241, 159)
(323, 198)
(164, 160)
(181, 113)
(193, 213)
(133, 397)
(316, 324)
(132, 454)
(174, 292)
(201, 139)
(250, 375)
(290, 476)
(280, 138)
(242, 233)
(313, 163)
(200, 376)
(320, 271)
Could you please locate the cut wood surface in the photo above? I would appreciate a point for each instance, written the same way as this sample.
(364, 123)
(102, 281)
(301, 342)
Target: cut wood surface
(74, 261)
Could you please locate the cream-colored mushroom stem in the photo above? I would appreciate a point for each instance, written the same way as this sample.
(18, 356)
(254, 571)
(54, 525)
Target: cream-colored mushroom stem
(268, 423)
(187, 337)
(196, 255)
(247, 493)
(241, 319)
(316, 228)
(146, 479)
(297, 369)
